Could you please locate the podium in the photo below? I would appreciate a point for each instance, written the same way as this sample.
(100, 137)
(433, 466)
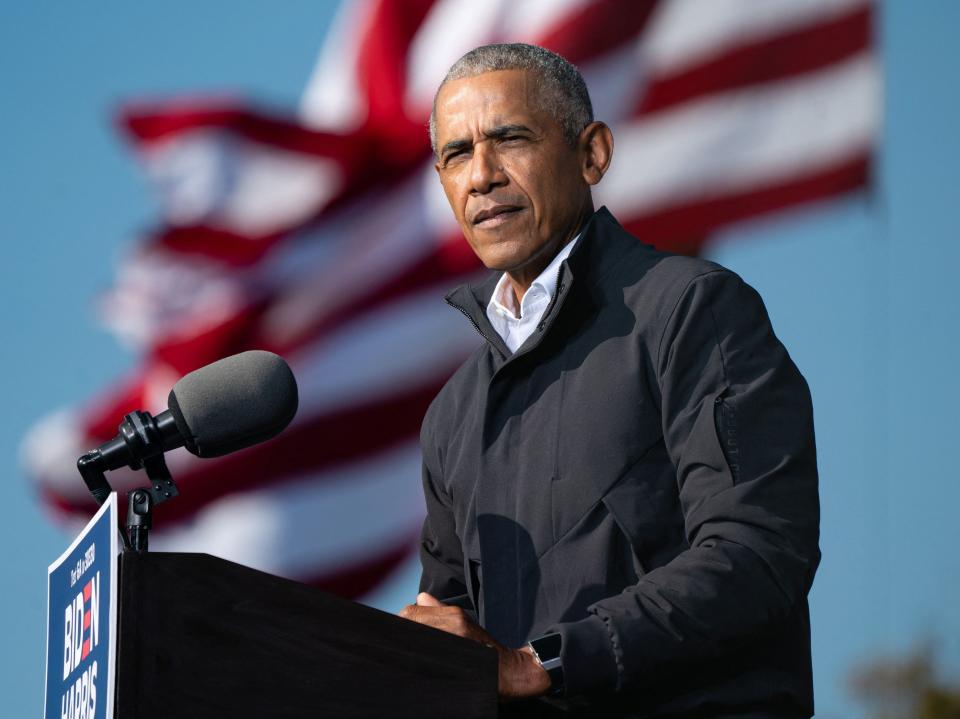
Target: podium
(199, 636)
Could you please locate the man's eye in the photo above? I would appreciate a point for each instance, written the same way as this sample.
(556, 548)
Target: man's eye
(455, 157)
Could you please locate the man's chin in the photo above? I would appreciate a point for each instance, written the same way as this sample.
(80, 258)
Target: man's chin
(509, 256)
(502, 262)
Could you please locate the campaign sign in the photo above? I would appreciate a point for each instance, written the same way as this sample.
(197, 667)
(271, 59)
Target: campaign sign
(82, 621)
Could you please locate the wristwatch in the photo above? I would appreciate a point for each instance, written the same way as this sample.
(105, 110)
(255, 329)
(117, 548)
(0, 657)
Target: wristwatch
(546, 650)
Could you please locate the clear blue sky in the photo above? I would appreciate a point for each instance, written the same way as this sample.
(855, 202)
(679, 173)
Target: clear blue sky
(861, 291)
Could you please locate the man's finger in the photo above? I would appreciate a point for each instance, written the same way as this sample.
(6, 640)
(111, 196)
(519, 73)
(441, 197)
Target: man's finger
(428, 600)
(451, 623)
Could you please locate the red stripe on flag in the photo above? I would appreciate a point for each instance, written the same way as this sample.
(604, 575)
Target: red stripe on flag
(382, 61)
(451, 263)
(102, 417)
(86, 649)
(358, 578)
(87, 590)
(234, 334)
(772, 59)
(151, 123)
(370, 157)
(597, 28)
(684, 228)
(226, 246)
(63, 508)
(378, 168)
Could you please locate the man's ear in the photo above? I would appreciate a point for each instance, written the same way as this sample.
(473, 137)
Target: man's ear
(596, 151)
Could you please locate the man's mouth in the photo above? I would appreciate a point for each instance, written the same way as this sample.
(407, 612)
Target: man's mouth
(495, 215)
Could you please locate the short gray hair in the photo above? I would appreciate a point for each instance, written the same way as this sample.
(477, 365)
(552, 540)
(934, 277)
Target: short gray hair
(562, 89)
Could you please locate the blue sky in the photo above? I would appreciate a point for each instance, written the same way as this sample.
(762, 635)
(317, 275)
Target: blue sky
(861, 291)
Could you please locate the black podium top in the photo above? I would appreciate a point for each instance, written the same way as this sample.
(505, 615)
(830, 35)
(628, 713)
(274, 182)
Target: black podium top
(203, 637)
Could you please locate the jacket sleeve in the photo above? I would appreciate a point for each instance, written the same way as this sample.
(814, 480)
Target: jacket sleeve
(737, 423)
(441, 552)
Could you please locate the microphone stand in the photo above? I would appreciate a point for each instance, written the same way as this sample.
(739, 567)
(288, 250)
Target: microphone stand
(140, 502)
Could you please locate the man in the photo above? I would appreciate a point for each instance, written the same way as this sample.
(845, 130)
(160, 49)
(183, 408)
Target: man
(621, 481)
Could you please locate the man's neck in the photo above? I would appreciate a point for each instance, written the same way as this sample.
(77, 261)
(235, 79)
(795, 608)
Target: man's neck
(521, 279)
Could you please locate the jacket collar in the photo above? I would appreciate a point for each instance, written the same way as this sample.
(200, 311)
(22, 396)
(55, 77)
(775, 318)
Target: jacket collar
(597, 251)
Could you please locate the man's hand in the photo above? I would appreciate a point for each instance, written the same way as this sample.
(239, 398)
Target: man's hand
(520, 675)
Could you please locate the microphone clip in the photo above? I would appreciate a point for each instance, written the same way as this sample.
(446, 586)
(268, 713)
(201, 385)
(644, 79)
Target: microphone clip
(140, 502)
(139, 445)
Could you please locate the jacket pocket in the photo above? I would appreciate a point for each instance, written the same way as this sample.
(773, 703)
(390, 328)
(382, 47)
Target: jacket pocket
(725, 424)
(701, 461)
(645, 505)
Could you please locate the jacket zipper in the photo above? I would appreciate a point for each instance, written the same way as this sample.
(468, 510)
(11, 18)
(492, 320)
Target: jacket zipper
(556, 298)
(540, 325)
(471, 320)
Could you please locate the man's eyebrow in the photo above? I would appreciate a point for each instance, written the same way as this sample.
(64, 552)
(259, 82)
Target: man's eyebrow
(455, 145)
(501, 131)
(495, 133)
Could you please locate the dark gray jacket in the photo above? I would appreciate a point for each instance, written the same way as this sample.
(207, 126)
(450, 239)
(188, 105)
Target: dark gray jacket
(639, 476)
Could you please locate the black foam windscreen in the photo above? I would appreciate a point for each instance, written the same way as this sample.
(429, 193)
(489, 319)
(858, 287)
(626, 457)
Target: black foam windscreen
(234, 402)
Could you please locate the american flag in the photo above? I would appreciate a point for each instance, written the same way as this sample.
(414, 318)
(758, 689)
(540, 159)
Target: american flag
(323, 235)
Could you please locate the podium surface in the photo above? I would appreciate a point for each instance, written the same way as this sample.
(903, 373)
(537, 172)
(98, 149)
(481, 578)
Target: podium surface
(202, 637)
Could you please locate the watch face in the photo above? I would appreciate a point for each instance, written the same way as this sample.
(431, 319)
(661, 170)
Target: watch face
(547, 647)
(548, 652)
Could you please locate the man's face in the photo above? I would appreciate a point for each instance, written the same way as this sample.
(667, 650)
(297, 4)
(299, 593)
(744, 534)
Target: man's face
(513, 181)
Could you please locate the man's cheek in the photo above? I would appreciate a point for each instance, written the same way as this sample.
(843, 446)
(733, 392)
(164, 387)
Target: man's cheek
(448, 182)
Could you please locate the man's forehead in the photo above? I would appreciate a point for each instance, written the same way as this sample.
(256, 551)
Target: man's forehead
(488, 99)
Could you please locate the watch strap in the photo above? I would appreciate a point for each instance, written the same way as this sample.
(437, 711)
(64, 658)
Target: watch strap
(547, 652)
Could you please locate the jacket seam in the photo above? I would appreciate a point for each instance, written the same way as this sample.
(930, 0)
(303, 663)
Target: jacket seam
(614, 638)
(666, 324)
(599, 500)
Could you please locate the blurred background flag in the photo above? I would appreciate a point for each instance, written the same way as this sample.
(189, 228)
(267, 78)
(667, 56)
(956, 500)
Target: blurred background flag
(323, 235)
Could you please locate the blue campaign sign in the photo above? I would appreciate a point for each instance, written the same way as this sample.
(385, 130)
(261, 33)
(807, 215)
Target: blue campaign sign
(82, 621)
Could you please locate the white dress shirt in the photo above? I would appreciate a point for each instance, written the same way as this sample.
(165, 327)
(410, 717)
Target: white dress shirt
(516, 324)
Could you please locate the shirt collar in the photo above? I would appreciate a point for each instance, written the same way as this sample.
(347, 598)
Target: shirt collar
(503, 301)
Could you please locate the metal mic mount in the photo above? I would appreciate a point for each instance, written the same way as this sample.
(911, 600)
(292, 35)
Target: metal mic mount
(141, 502)
(141, 435)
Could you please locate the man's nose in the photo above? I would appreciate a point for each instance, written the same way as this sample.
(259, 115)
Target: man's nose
(486, 169)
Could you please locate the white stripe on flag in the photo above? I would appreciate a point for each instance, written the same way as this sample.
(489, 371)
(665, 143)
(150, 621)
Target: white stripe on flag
(49, 451)
(309, 527)
(377, 238)
(616, 81)
(744, 138)
(453, 27)
(436, 46)
(158, 295)
(332, 99)
(401, 345)
(684, 32)
(208, 176)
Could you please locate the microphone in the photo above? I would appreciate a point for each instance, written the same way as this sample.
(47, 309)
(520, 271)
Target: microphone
(230, 404)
